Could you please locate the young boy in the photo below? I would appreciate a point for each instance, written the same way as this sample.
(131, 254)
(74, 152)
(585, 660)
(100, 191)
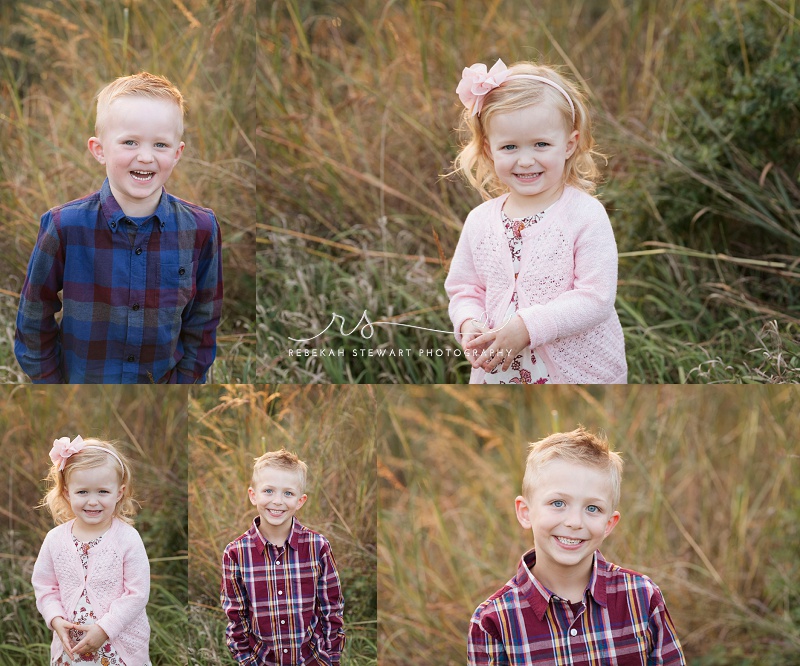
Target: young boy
(280, 588)
(140, 270)
(566, 604)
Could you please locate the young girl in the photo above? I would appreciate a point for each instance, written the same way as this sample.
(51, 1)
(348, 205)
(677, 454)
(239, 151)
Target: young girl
(533, 279)
(92, 576)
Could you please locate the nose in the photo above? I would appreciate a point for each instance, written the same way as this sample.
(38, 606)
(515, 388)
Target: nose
(526, 158)
(145, 156)
(573, 518)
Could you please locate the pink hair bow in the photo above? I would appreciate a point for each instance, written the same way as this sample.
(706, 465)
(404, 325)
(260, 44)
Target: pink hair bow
(476, 82)
(63, 449)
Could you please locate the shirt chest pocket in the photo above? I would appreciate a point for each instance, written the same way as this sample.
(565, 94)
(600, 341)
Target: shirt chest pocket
(175, 284)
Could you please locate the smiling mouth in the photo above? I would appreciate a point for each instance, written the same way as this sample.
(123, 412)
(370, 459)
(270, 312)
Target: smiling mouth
(143, 176)
(276, 513)
(569, 542)
(93, 512)
(528, 177)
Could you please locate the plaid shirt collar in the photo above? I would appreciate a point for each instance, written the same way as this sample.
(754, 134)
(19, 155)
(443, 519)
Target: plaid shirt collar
(113, 213)
(261, 542)
(539, 596)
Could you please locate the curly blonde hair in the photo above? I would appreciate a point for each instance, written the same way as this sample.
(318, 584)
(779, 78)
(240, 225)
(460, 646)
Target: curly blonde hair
(55, 500)
(474, 162)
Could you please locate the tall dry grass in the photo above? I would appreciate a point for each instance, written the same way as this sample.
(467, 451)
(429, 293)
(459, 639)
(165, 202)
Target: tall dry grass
(334, 431)
(709, 509)
(358, 121)
(55, 57)
(151, 425)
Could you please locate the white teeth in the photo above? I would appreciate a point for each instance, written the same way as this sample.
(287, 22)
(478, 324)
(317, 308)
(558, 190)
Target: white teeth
(142, 175)
(569, 542)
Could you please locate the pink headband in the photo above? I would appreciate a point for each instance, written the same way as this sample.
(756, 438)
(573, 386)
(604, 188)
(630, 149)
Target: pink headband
(63, 449)
(476, 82)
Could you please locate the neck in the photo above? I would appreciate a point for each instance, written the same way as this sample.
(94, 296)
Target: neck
(566, 582)
(136, 208)
(86, 532)
(275, 535)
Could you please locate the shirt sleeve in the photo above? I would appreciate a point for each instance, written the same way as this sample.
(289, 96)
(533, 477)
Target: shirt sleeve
(236, 606)
(666, 648)
(202, 314)
(591, 299)
(127, 609)
(37, 343)
(331, 606)
(485, 645)
(463, 285)
(45, 585)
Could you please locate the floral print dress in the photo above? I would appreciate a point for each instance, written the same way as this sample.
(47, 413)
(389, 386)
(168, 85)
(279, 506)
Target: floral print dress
(83, 614)
(525, 368)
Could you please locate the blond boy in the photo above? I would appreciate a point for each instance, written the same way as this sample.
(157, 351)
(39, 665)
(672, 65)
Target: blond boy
(280, 587)
(566, 604)
(137, 271)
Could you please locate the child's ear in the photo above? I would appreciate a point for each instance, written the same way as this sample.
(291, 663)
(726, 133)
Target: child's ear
(521, 506)
(611, 524)
(572, 143)
(252, 495)
(179, 152)
(96, 149)
(120, 493)
(301, 500)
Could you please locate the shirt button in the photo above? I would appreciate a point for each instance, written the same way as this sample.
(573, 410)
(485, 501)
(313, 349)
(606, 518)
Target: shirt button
(138, 250)
(131, 358)
(182, 271)
(573, 632)
(280, 591)
(283, 621)
(278, 562)
(135, 307)
(285, 650)
(113, 225)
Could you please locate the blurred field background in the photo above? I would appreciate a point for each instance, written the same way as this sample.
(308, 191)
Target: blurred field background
(696, 103)
(54, 57)
(710, 509)
(150, 424)
(334, 430)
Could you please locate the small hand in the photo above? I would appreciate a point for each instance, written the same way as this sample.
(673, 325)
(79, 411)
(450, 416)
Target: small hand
(500, 345)
(62, 627)
(93, 639)
(470, 330)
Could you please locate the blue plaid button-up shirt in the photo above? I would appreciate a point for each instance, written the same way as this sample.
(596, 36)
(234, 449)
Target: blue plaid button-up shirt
(138, 308)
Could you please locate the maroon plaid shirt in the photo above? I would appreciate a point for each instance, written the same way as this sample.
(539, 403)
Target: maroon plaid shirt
(284, 604)
(622, 619)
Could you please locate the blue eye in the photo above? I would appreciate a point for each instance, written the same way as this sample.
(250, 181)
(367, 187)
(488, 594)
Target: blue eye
(593, 509)
(129, 142)
(509, 146)
(161, 145)
(289, 493)
(559, 504)
(268, 491)
(542, 144)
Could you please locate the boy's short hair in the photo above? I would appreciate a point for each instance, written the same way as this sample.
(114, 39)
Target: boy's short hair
(282, 459)
(580, 447)
(143, 83)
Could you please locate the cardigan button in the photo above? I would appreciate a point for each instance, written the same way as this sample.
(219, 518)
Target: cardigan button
(573, 632)
(182, 271)
(138, 250)
(131, 358)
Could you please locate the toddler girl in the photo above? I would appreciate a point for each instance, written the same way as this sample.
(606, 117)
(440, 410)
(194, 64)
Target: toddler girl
(92, 576)
(533, 279)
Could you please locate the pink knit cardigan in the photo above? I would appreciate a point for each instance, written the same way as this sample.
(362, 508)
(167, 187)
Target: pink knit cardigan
(566, 286)
(117, 582)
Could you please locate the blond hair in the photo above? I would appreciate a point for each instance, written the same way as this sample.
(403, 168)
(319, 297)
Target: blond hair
(89, 458)
(144, 84)
(580, 447)
(283, 459)
(474, 162)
